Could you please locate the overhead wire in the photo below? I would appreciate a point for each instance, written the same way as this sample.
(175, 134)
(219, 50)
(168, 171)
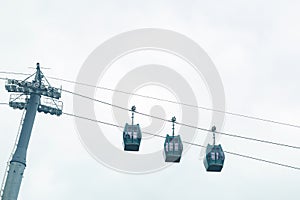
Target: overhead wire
(190, 143)
(186, 125)
(236, 114)
(179, 103)
(169, 101)
(14, 73)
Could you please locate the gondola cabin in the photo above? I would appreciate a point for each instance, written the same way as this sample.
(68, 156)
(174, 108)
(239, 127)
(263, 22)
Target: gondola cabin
(173, 148)
(214, 159)
(132, 136)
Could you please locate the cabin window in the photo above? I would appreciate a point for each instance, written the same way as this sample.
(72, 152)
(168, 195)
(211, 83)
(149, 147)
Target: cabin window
(176, 147)
(217, 155)
(128, 135)
(171, 146)
(212, 154)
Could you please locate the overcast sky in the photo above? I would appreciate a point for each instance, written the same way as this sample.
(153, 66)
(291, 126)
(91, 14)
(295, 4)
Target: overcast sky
(255, 48)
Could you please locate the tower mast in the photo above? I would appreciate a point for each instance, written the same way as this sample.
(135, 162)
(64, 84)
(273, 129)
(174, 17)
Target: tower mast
(34, 89)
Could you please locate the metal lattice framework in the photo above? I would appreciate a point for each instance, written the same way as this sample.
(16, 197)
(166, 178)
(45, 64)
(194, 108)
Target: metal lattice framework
(21, 90)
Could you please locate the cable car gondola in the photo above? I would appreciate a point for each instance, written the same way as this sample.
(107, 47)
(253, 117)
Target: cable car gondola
(214, 159)
(132, 135)
(173, 147)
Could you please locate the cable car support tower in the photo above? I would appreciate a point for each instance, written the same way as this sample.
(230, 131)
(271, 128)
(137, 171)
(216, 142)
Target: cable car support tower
(35, 95)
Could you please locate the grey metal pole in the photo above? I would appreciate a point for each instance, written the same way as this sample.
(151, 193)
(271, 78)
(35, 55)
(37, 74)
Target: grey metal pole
(133, 108)
(214, 134)
(173, 128)
(173, 122)
(18, 162)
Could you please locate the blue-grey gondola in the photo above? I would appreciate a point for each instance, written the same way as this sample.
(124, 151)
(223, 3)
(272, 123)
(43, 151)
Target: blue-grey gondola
(214, 159)
(173, 147)
(132, 135)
